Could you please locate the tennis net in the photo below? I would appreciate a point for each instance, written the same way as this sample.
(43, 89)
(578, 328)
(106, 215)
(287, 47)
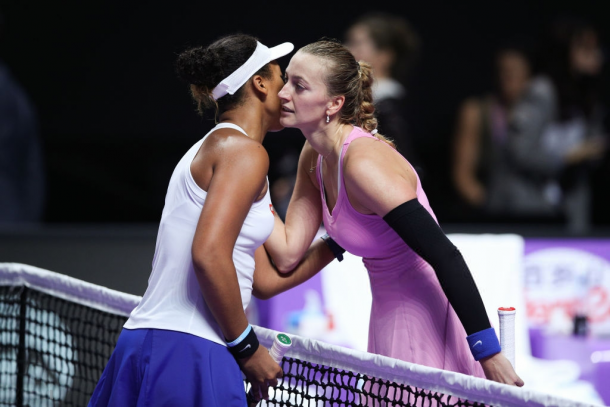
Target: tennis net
(57, 333)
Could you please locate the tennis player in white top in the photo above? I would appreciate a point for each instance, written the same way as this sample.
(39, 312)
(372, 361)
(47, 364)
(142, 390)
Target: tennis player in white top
(185, 343)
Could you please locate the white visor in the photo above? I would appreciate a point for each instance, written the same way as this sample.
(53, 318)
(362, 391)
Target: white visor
(262, 55)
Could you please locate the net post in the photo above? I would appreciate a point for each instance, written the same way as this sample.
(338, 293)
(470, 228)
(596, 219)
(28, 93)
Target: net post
(21, 351)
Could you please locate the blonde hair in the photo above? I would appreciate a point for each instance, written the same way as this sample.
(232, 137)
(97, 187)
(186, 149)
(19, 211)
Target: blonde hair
(351, 79)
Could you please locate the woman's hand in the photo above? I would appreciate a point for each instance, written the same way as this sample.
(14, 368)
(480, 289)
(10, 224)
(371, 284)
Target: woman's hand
(590, 149)
(499, 369)
(466, 153)
(262, 371)
(473, 192)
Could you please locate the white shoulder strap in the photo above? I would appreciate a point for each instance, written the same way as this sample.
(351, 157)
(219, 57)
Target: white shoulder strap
(229, 126)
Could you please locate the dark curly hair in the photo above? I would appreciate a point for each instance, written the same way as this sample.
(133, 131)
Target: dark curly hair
(205, 67)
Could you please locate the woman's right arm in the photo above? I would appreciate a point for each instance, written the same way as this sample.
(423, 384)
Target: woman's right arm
(239, 167)
(269, 282)
(289, 242)
(466, 154)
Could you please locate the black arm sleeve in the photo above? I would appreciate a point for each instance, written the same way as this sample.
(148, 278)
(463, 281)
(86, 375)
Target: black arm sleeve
(421, 233)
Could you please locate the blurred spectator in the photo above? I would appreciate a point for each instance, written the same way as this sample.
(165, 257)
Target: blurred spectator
(282, 187)
(555, 133)
(479, 163)
(389, 44)
(21, 171)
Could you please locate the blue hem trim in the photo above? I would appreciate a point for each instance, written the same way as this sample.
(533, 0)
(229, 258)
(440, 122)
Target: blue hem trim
(483, 343)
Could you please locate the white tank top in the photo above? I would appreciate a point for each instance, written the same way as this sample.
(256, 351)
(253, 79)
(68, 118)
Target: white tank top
(173, 299)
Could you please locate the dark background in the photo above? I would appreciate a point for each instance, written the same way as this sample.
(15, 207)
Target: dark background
(115, 119)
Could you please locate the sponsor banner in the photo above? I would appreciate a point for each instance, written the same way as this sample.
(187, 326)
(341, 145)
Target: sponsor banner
(560, 278)
(565, 279)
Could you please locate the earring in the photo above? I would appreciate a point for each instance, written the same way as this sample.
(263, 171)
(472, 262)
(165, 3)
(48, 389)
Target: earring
(327, 119)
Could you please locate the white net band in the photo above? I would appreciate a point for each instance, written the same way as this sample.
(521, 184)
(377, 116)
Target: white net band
(68, 288)
(316, 352)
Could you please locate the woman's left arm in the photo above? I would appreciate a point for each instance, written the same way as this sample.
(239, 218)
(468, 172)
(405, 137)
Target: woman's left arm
(268, 281)
(379, 180)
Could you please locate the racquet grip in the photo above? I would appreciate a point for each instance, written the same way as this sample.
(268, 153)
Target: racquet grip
(281, 344)
(507, 333)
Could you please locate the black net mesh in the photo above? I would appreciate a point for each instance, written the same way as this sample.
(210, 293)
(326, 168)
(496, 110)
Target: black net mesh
(53, 352)
(309, 384)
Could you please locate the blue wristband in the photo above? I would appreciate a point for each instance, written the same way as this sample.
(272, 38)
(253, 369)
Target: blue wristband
(483, 343)
(240, 337)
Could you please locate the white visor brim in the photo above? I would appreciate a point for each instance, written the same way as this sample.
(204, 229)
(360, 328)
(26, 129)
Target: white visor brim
(262, 55)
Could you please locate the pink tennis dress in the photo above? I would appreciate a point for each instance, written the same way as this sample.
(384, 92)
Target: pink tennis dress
(411, 318)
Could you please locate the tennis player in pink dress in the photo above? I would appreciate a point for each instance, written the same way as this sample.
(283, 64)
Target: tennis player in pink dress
(411, 318)
(426, 307)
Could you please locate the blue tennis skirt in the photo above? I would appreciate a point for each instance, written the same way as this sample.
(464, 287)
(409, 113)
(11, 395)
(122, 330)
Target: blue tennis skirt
(155, 367)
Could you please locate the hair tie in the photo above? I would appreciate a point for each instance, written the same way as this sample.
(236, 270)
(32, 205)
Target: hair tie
(374, 132)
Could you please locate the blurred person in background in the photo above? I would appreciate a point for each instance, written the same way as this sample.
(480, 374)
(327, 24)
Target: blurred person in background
(555, 134)
(282, 187)
(389, 44)
(479, 162)
(21, 166)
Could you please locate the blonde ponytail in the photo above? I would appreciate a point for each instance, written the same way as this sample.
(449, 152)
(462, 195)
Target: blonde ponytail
(366, 113)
